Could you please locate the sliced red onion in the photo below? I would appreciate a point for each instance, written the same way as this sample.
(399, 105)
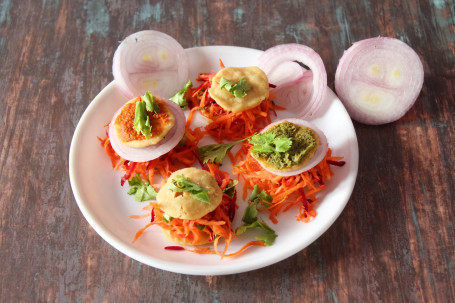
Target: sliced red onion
(299, 90)
(150, 61)
(378, 80)
(319, 154)
(151, 152)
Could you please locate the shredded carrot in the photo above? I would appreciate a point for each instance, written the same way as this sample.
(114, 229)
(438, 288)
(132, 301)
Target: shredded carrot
(183, 155)
(216, 225)
(287, 192)
(221, 64)
(251, 243)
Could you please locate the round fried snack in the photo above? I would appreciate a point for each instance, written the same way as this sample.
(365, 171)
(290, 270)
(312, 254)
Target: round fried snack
(161, 124)
(255, 77)
(181, 204)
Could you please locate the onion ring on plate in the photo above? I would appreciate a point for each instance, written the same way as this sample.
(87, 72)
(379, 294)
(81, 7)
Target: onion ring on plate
(319, 154)
(150, 60)
(151, 152)
(299, 90)
(378, 80)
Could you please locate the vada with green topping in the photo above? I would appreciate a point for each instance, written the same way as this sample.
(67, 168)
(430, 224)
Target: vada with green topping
(289, 147)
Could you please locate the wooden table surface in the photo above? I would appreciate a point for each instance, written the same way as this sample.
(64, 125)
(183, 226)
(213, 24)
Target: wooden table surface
(394, 242)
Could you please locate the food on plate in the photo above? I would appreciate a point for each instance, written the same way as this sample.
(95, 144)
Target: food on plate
(237, 89)
(284, 163)
(288, 191)
(154, 130)
(289, 147)
(150, 61)
(196, 207)
(189, 194)
(378, 80)
(143, 121)
(299, 78)
(235, 101)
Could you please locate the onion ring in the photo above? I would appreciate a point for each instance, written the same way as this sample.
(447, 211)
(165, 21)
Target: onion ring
(378, 80)
(150, 61)
(299, 90)
(151, 152)
(319, 154)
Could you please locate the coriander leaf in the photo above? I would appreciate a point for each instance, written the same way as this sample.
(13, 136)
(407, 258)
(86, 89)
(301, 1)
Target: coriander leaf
(268, 235)
(251, 219)
(241, 87)
(259, 195)
(201, 196)
(142, 191)
(226, 84)
(182, 184)
(282, 144)
(262, 138)
(267, 142)
(230, 188)
(238, 88)
(216, 153)
(141, 120)
(243, 228)
(250, 214)
(179, 97)
(150, 104)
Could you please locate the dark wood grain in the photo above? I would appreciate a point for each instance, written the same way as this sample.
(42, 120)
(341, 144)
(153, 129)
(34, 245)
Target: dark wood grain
(394, 241)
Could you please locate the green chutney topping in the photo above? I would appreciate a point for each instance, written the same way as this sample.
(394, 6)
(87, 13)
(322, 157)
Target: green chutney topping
(304, 143)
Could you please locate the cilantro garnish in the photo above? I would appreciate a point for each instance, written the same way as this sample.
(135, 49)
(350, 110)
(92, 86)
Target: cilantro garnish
(179, 97)
(150, 104)
(141, 190)
(261, 195)
(251, 220)
(146, 104)
(268, 142)
(182, 184)
(267, 236)
(237, 88)
(215, 153)
(142, 120)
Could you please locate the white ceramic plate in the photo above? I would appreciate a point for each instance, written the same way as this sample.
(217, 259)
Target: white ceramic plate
(106, 206)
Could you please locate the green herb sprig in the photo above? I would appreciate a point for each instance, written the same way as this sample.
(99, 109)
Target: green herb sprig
(142, 190)
(142, 120)
(216, 153)
(183, 184)
(252, 220)
(268, 142)
(179, 97)
(237, 88)
(146, 104)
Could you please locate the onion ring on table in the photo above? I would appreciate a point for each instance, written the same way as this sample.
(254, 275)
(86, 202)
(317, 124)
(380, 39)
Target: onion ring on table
(299, 90)
(319, 154)
(150, 60)
(378, 80)
(151, 152)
